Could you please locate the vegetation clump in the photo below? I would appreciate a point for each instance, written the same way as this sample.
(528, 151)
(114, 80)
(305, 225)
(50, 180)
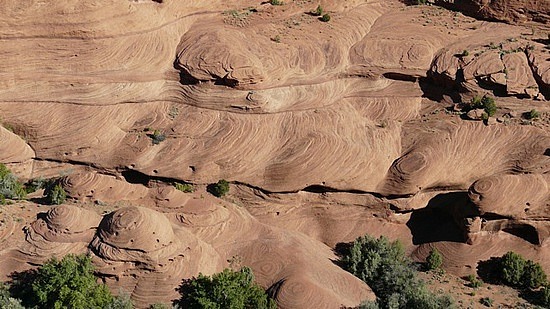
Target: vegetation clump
(518, 272)
(434, 260)
(486, 301)
(533, 114)
(318, 11)
(6, 301)
(228, 289)
(473, 281)
(487, 103)
(65, 283)
(384, 266)
(157, 137)
(325, 18)
(10, 187)
(276, 2)
(55, 194)
(36, 184)
(220, 188)
(184, 187)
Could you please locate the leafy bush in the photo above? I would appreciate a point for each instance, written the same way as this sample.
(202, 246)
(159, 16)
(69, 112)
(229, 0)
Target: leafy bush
(512, 265)
(533, 114)
(36, 184)
(544, 296)
(434, 260)
(517, 271)
(10, 187)
(485, 102)
(159, 306)
(384, 266)
(122, 301)
(157, 137)
(533, 275)
(489, 105)
(68, 283)
(184, 187)
(276, 2)
(220, 188)
(228, 289)
(486, 301)
(6, 301)
(325, 17)
(474, 282)
(55, 194)
(318, 11)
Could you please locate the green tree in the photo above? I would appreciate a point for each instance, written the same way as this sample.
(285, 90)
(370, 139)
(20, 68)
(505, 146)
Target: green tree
(434, 260)
(384, 266)
(184, 187)
(228, 289)
(220, 188)
(533, 275)
(10, 187)
(512, 265)
(55, 194)
(68, 283)
(325, 17)
(6, 301)
(544, 296)
(489, 105)
(318, 11)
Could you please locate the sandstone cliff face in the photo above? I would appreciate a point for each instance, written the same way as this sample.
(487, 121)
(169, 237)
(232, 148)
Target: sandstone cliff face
(513, 11)
(326, 132)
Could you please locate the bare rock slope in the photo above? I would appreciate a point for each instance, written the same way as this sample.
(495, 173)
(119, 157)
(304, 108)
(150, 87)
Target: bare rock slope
(325, 130)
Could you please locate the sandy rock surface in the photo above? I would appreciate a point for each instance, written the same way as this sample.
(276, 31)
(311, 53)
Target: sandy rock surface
(326, 132)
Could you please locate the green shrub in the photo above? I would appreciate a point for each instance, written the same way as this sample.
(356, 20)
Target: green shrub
(228, 289)
(36, 184)
(10, 187)
(220, 188)
(533, 275)
(157, 137)
(465, 53)
(544, 296)
(276, 2)
(325, 18)
(6, 301)
(486, 301)
(368, 304)
(318, 11)
(384, 266)
(67, 283)
(489, 105)
(473, 281)
(55, 194)
(159, 306)
(184, 187)
(434, 260)
(485, 102)
(512, 266)
(122, 301)
(533, 114)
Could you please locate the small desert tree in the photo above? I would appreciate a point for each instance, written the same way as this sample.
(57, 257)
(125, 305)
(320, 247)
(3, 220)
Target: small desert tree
(55, 194)
(10, 187)
(220, 188)
(228, 289)
(511, 266)
(434, 260)
(67, 283)
(383, 265)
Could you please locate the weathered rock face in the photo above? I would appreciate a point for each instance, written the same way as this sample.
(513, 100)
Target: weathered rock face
(513, 11)
(508, 65)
